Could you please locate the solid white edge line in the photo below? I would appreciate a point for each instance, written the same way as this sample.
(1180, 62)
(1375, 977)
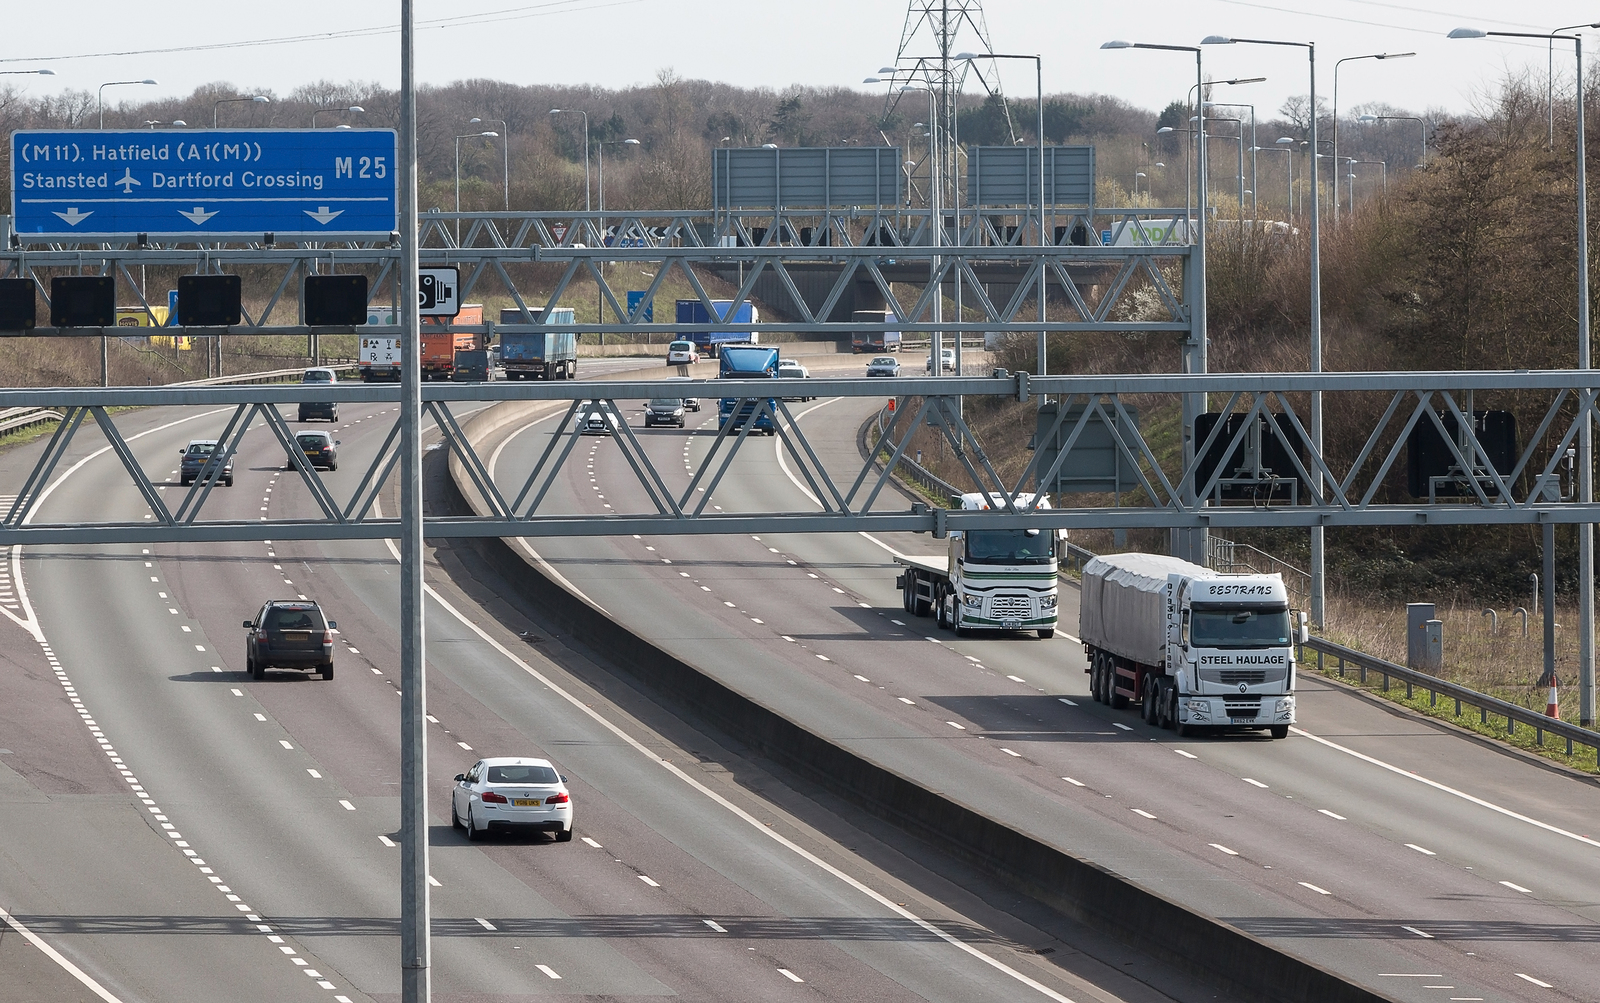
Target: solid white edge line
(732, 808)
(54, 955)
(1436, 785)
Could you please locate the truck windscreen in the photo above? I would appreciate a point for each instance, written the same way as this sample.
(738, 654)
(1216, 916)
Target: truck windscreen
(1239, 628)
(1009, 546)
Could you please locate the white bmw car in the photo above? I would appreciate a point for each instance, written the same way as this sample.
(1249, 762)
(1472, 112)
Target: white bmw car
(511, 794)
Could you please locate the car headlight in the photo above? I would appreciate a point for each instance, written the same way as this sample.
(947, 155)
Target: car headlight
(1285, 708)
(1047, 602)
(1199, 710)
(972, 600)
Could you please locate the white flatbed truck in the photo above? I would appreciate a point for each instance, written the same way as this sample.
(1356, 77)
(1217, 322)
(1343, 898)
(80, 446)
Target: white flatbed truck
(988, 580)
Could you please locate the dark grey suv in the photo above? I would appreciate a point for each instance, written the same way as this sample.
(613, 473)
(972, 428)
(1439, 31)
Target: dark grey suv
(289, 634)
(664, 411)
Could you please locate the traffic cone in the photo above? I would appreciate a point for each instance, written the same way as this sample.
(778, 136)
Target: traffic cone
(1553, 708)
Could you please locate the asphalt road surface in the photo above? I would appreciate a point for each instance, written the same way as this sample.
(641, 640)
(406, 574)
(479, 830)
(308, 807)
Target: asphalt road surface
(1404, 855)
(173, 830)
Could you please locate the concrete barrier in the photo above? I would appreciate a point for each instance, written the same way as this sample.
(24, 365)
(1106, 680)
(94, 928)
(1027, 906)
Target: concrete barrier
(1208, 948)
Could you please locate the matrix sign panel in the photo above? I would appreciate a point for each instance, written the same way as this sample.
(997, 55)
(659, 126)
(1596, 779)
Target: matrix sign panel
(201, 184)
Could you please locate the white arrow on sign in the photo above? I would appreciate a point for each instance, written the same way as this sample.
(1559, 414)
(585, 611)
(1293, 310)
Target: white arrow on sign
(322, 215)
(199, 216)
(73, 217)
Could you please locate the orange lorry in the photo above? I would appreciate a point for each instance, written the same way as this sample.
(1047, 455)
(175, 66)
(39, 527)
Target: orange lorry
(440, 344)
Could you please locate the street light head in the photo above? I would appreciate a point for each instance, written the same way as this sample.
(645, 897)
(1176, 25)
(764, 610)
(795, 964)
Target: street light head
(625, 142)
(966, 55)
(1160, 164)
(1116, 43)
(474, 121)
(180, 123)
(357, 108)
(872, 80)
(555, 111)
(888, 69)
(147, 82)
(1395, 55)
(261, 99)
(1164, 130)
(769, 146)
(1467, 33)
(47, 73)
(1245, 80)
(1140, 174)
(1367, 118)
(1286, 140)
(492, 135)
(341, 126)
(1216, 40)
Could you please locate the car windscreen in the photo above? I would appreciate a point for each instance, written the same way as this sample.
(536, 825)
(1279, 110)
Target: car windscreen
(883, 362)
(1239, 627)
(311, 441)
(523, 775)
(202, 448)
(1009, 546)
(667, 402)
(316, 376)
(294, 619)
(680, 346)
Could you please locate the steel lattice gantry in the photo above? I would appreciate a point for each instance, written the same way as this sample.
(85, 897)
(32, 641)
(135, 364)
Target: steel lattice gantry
(1360, 482)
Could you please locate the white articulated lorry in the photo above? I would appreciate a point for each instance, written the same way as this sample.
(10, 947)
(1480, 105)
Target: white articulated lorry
(992, 579)
(1194, 648)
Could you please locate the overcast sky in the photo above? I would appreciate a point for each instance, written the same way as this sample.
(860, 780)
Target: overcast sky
(775, 43)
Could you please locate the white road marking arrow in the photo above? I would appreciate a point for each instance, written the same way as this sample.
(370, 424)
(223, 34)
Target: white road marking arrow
(73, 217)
(322, 215)
(199, 216)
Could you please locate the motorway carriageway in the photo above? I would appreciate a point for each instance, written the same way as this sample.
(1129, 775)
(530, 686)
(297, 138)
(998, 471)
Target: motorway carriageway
(175, 831)
(1405, 856)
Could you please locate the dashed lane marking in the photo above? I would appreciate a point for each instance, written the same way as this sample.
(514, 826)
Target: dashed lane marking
(1224, 849)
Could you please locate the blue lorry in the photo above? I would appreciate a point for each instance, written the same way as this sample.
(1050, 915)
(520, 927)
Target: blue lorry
(542, 355)
(748, 362)
(695, 312)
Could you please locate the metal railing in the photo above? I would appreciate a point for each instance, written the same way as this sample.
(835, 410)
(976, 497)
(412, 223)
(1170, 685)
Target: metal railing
(1233, 558)
(13, 419)
(1488, 706)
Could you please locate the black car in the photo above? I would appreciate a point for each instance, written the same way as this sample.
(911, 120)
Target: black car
(320, 448)
(664, 411)
(289, 634)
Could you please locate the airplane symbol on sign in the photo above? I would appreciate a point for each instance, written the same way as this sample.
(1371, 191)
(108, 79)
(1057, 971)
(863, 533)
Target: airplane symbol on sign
(127, 181)
(73, 217)
(198, 217)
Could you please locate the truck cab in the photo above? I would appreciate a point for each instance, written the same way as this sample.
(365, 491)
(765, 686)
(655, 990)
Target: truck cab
(745, 363)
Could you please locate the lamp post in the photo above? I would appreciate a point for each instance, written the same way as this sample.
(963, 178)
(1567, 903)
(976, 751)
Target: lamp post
(574, 111)
(1336, 65)
(1194, 354)
(1239, 139)
(600, 148)
(1253, 186)
(1317, 556)
(1188, 178)
(1405, 118)
(505, 153)
(1284, 145)
(354, 109)
(1586, 430)
(1550, 75)
(1383, 175)
(40, 73)
(100, 95)
(254, 99)
(470, 135)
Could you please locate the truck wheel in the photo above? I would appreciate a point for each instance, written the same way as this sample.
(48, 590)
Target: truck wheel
(1096, 677)
(1118, 701)
(1046, 633)
(1169, 706)
(1280, 731)
(1147, 707)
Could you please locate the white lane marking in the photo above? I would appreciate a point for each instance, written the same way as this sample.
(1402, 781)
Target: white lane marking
(592, 843)
(1141, 811)
(1517, 888)
(56, 956)
(715, 925)
(261, 717)
(1016, 679)
(1119, 724)
(1069, 703)
(314, 774)
(1419, 778)
(903, 700)
(652, 882)
(285, 744)
(1324, 891)
(1075, 783)
(958, 727)
(1538, 982)
(1010, 753)
(484, 923)
(1424, 936)
(825, 658)
(548, 971)
(759, 826)
(862, 678)
(1256, 783)
(465, 746)
(386, 841)
(1186, 755)
(347, 806)
(792, 977)
(1422, 850)
(434, 881)
(1069, 637)
(1331, 814)
(1224, 849)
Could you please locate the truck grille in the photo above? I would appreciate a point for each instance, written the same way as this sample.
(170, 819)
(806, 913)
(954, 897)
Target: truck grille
(1010, 606)
(1233, 677)
(1243, 708)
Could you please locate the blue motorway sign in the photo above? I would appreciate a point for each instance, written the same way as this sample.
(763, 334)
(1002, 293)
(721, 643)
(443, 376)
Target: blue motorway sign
(200, 184)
